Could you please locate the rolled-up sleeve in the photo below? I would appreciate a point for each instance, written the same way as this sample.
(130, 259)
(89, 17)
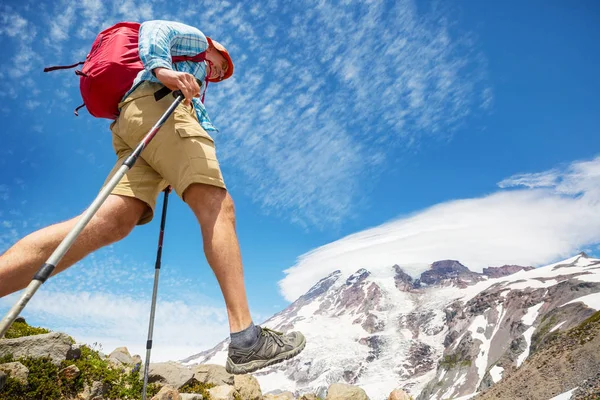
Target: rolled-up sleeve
(161, 40)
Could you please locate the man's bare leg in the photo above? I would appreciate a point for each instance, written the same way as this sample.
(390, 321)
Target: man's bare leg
(251, 347)
(114, 220)
(214, 209)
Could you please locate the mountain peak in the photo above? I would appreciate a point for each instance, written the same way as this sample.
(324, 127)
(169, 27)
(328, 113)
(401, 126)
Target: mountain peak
(449, 270)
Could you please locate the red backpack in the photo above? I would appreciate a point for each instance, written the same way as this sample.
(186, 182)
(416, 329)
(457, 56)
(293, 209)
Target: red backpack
(110, 68)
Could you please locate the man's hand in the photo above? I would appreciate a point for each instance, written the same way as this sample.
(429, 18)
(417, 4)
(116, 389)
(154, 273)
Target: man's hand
(183, 81)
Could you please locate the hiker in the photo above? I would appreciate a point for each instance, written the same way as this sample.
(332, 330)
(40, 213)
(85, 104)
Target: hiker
(183, 156)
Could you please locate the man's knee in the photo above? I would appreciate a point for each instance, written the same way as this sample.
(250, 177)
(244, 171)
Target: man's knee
(117, 217)
(209, 202)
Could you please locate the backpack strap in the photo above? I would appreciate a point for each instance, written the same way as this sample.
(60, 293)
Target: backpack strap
(48, 69)
(76, 112)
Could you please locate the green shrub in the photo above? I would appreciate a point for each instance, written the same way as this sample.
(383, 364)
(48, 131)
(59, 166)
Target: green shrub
(200, 388)
(20, 329)
(44, 381)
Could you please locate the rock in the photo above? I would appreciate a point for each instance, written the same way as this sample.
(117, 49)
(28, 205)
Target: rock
(94, 392)
(222, 392)
(16, 370)
(122, 355)
(169, 373)
(399, 394)
(449, 270)
(403, 281)
(167, 393)
(137, 359)
(70, 373)
(248, 387)
(308, 396)
(2, 379)
(190, 396)
(213, 374)
(505, 270)
(280, 396)
(54, 345)
(75, 352)
(342, 391)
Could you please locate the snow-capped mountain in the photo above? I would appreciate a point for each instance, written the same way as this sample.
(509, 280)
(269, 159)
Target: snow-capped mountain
(447, 333)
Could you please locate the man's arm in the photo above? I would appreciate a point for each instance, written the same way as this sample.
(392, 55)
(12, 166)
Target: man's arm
(159, 41)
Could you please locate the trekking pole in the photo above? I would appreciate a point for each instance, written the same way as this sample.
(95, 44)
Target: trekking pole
(155, 290)
(46, 270)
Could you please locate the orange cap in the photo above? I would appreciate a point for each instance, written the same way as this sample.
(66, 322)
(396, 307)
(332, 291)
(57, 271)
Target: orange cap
(225, 54)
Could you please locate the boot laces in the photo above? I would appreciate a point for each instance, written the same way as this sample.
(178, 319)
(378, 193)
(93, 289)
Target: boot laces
(275, 335)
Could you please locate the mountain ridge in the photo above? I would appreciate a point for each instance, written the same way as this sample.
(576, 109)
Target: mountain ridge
(450, 332)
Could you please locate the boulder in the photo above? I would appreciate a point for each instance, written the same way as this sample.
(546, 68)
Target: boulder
(167, 393)
(54, 345)
(222, 392)
(121, 354)
(248, 387)
(94, 392)
(280, 396)
(169, 373)
(2, 379)
(16, 370)
(308, 396)
(70, 373)
(213, 374)
(399, 394)
(342, 391)
(190, 396)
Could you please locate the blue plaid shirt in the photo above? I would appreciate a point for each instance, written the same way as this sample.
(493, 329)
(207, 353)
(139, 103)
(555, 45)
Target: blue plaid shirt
(158, 42)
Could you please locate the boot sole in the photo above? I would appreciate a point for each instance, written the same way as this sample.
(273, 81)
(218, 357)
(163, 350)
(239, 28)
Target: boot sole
(258, 364)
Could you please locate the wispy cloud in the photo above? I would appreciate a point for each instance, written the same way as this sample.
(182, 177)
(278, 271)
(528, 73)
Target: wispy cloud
(321, 95)
(554, 217)
(319, 102)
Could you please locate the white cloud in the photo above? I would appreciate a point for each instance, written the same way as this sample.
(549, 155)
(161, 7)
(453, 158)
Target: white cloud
(13, 24)
(315, 109)
(181, 327)
(555, 217)
(319, 99)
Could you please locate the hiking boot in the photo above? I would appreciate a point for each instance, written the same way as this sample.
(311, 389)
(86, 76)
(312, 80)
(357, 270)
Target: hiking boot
(272, 347)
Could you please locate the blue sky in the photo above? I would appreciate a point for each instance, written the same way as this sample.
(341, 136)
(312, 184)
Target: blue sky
(352, 134)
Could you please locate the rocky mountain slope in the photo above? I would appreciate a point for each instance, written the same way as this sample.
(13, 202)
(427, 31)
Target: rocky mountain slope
(447, 333)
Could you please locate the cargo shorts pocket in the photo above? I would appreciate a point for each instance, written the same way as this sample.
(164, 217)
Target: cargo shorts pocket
(187, 126)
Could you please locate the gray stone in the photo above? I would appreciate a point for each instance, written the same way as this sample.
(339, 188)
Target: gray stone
(54, 345)
(94, 392)
(222, 392)
(167, 393)
(2, 379)
(122, 355)
(342, 391)
(213, 374)
(16, 370)
(280, 396)
(248, 387)
(191, 396)
(169, 373)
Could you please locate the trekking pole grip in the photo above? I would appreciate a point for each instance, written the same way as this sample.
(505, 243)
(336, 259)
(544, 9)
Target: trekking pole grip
(177, 93)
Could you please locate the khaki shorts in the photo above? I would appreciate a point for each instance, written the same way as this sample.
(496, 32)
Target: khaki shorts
(180, 154)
